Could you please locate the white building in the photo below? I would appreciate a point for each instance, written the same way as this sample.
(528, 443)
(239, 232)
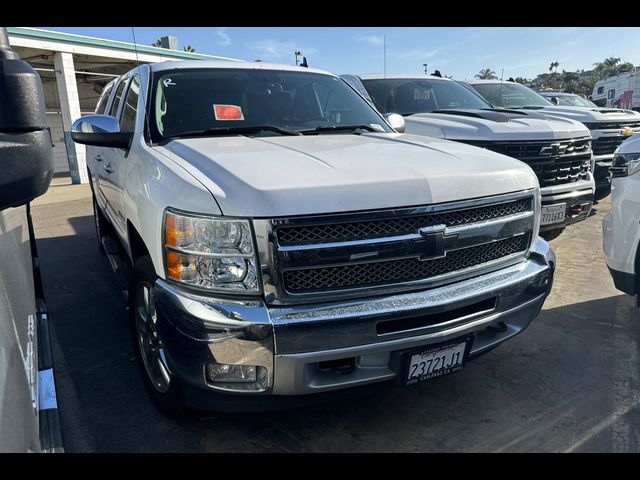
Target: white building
(74, 69)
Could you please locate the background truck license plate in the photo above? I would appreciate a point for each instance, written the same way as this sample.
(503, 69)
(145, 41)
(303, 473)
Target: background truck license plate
(553, 213)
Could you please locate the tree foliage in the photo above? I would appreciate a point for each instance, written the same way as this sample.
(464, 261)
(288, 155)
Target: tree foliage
(578, 81)
(486, 74)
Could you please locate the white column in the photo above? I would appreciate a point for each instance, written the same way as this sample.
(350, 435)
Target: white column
(70, 107)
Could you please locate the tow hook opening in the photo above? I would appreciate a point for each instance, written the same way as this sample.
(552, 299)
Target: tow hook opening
(341, 366)
(497, 327)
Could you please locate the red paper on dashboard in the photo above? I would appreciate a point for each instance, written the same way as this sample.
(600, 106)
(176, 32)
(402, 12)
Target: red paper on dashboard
(228, 112)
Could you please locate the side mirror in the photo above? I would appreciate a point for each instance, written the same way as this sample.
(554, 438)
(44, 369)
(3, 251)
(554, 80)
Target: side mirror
(26, 149)
(396, 122)
(101, 131)
(555, 100)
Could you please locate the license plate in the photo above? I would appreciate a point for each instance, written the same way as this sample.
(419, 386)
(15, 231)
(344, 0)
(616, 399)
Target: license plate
(436, 361)
(553, 213)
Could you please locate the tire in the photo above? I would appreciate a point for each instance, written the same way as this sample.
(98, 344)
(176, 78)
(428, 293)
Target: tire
(103, 227)
(551, 234)
(166, 391)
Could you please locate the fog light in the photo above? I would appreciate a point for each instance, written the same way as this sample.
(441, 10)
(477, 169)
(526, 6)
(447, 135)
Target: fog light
(245, 378)
(223, 373)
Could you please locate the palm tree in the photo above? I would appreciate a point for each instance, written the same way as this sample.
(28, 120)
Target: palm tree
(189, 48)
(611, 66)
(157, 43)
(554, 66)
(486, 74)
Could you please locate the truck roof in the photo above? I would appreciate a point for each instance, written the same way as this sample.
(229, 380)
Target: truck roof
(398, 76)
(191, 64)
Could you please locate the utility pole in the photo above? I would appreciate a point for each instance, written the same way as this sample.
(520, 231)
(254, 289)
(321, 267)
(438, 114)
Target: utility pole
(425, 65)
(384, 39)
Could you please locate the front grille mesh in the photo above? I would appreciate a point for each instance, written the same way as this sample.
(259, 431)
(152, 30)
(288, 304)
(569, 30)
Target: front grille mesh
(551, 169)
(561, 171)
(396, 226)
(396, 271)
(607, 145)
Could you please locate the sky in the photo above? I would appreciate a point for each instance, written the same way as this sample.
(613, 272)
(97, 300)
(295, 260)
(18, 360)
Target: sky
(460, 52)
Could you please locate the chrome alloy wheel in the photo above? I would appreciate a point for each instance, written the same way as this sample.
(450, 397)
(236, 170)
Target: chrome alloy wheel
(148, 340)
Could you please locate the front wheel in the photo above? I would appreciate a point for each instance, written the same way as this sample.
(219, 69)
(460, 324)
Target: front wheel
(165, 390)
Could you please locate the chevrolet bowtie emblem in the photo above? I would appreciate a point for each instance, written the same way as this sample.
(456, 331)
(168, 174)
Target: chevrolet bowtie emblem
(627, 131)
(433, 244)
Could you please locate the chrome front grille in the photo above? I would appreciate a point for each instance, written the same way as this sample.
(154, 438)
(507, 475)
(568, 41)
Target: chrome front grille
(386, 251)
(400, 225)
(555, 162)
(394, 271)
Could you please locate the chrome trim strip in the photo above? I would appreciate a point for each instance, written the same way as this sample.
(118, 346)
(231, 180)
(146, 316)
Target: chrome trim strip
(458, 229)
(195, 253)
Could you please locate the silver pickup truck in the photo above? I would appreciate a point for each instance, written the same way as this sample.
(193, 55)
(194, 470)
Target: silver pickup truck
(287, 245)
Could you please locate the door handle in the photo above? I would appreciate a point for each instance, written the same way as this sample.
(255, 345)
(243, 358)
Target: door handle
(98, 158)
(108, 168)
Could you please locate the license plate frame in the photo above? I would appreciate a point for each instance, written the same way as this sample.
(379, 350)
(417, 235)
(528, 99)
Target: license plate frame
(554, 212)
(433, 349)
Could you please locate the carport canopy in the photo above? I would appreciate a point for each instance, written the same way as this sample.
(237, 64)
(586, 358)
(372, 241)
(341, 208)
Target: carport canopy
(74, 69)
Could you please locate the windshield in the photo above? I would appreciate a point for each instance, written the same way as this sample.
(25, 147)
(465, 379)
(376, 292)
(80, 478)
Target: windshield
(574, 101)
(412, 95)
(510, 95)
(233, 101)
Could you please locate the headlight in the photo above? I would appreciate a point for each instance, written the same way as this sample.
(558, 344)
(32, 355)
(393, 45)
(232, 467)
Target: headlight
(625, 164)
(211, 253)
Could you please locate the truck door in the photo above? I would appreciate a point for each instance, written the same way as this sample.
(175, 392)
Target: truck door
(114, 159)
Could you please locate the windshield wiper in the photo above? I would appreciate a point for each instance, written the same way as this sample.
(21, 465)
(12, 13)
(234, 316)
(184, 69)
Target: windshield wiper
(235, 131)
(528, 107)
(338, 128)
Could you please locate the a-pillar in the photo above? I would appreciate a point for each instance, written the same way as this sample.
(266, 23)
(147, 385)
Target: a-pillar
(70, 108)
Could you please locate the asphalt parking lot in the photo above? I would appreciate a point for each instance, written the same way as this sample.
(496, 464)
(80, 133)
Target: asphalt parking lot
(569, 383)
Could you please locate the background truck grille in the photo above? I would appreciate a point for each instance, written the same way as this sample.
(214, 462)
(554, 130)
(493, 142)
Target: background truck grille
(396, 271)
(611, 125)
(607, 145)
(336, 232)
(554, 162)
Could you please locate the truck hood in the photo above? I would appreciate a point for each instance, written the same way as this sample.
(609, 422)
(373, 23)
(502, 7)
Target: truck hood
(493, 125)
(591, 114)
(303, 175)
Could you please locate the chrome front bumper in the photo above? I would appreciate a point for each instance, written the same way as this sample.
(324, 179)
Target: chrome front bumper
(290, 342)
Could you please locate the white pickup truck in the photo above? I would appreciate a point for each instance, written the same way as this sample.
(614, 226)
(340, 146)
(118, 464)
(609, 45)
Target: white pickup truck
(557, 149)
(288, 245)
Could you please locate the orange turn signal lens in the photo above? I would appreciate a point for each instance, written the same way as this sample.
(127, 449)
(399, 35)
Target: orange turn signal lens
(173, 265)
(170, 231)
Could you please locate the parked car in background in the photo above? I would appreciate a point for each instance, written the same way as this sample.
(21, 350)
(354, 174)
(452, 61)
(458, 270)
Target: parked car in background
(557, 149)
(285, 242)
(609, 127)
(621, 226)
(564, 99)
(618, 91)
(28, 408)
